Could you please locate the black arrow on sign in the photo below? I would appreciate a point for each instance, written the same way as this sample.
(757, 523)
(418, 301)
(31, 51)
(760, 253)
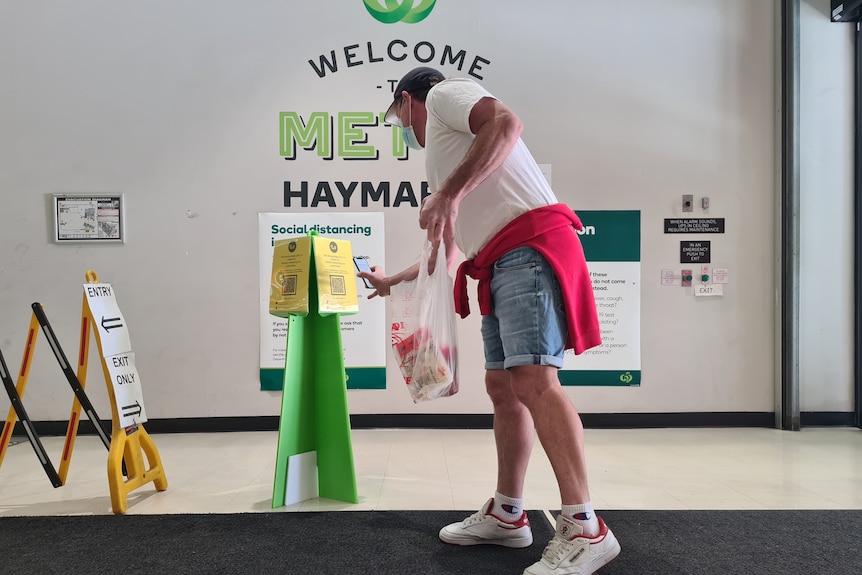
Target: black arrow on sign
(109, 326)
(132, 407)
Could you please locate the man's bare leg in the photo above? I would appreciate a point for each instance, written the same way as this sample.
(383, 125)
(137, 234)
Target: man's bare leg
(558, 426)
(514, 433)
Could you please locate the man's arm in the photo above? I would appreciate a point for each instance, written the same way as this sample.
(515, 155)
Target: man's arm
(382, 282)
(497, 129)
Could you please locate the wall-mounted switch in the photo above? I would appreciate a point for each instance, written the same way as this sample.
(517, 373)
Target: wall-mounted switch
(686, 278)
(687, 203)
(704, 203)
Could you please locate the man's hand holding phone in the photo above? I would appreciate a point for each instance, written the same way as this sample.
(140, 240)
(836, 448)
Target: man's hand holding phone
(372, 276)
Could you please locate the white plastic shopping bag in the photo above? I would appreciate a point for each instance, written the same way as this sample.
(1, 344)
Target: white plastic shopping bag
(424, 336)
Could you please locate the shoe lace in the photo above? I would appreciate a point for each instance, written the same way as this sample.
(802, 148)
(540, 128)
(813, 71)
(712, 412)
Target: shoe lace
(477, 517)
(557, 549)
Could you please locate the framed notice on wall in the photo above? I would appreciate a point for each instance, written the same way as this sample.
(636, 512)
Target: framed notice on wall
(89, 218)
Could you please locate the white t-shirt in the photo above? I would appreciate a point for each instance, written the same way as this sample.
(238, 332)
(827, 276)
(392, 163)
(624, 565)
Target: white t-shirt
(516, 187)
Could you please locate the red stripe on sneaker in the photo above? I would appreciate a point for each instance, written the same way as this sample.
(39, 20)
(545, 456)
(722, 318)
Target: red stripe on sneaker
(523, 521)
(603, 532)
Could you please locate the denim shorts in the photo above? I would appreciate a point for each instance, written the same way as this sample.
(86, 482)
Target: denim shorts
(528, 323)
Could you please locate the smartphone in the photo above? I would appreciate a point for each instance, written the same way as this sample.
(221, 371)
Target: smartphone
(363, 266)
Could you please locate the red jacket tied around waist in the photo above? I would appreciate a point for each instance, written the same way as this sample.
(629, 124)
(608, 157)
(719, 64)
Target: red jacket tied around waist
(551, 232)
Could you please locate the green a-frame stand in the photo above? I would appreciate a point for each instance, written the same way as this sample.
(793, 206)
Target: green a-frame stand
(314, 411)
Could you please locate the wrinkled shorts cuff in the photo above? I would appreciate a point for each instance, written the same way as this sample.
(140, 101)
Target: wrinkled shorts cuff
(526, 359)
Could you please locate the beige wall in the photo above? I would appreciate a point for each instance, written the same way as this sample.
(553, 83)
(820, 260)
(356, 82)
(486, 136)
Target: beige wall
(175, 104)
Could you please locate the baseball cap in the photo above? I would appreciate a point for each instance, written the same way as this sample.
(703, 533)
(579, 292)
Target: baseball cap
(416, 80)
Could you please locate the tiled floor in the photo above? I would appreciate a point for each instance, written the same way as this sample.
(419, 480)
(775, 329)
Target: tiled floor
(455, 469)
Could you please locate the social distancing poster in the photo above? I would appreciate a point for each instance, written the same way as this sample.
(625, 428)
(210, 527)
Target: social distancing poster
(363, 334)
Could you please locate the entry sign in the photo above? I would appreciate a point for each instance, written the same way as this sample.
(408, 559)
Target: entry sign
(127, 389)
(694, 252)
(110, 323)
(113, 336)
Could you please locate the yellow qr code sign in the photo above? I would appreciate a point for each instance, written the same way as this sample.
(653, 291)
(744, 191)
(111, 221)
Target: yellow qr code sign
(337, 285)
(288, 284)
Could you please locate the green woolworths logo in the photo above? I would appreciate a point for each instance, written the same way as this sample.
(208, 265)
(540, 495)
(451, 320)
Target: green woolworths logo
(399, 10)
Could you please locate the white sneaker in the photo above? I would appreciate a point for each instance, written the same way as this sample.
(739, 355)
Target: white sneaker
(571, 552)
(484, 528)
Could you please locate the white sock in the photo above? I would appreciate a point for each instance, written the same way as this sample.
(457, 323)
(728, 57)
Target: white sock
(584, 516)
(507, 508)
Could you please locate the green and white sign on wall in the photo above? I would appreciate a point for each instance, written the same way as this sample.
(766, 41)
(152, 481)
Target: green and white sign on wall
(364, 336)
(611, 241)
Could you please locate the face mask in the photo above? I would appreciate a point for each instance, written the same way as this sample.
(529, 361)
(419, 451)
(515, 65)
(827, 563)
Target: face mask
(410, 136)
